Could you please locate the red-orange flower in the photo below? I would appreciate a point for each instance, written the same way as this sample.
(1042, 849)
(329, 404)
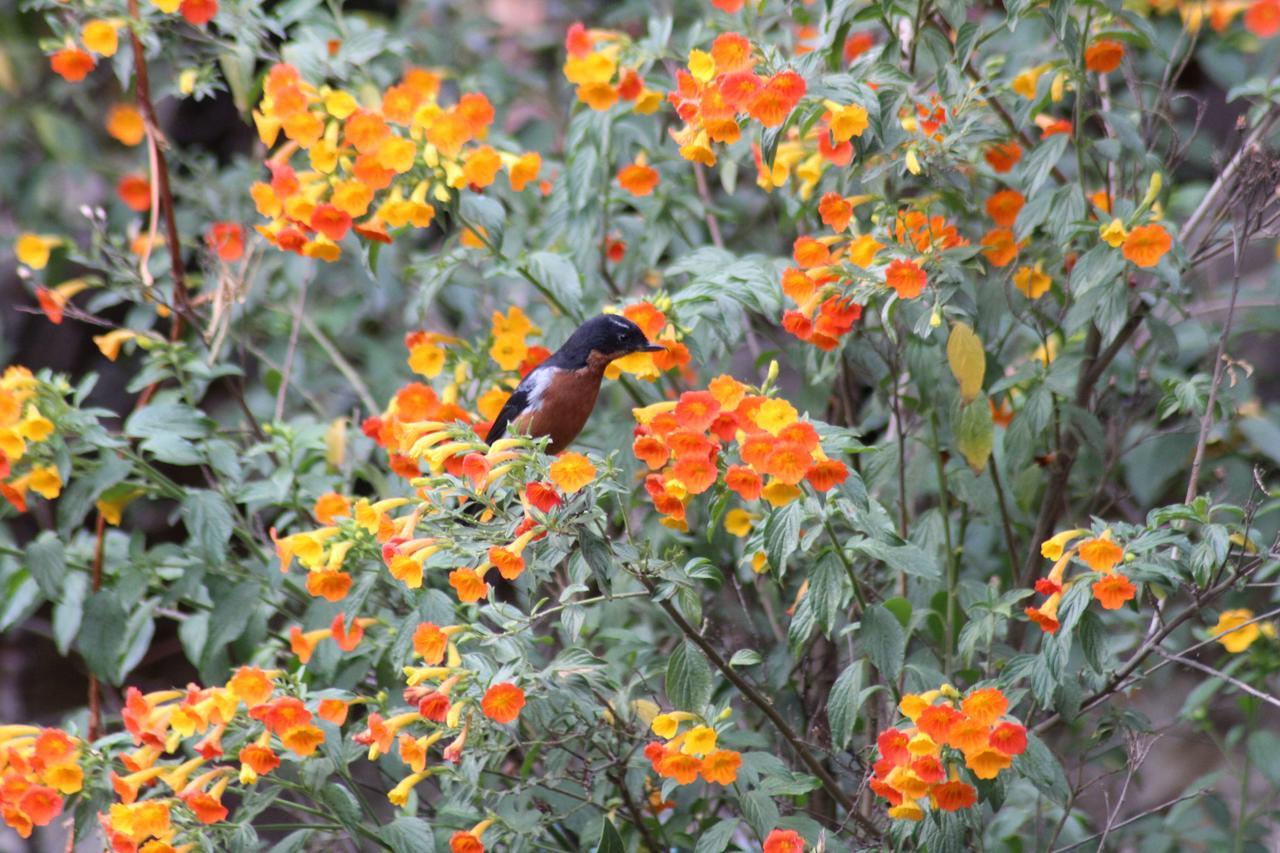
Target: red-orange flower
(469, 584)
(1103, 56)
(1147, 244)
(135, 192)
(502, 702)
(835, 210)
(906, 277)
(1009, 738)
(1003, 156)
(1113, 590)
(783, 841)
(638, 179)
(72, 64)
(1003, 207)
(430, 642)
(226, 239)
(1262, 18)
(198, 12)
(954, 795)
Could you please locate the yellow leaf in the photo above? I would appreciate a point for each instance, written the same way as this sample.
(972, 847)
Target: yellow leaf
(967, 360)
(973, 430)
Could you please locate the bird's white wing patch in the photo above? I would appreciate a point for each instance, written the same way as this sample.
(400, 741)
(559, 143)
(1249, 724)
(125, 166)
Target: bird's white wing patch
(539, 381)
(622, 323)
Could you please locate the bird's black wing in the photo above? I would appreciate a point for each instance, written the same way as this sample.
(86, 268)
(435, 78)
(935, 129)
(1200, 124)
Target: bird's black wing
(520, 399)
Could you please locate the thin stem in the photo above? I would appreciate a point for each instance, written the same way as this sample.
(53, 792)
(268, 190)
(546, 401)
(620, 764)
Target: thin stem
(1206, 420)
(944, 500)
(95, 583)
(816, 767)
(287, 373)
(344, 366)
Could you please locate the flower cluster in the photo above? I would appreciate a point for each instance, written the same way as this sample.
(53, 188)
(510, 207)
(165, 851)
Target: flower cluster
(683, 442)
(164, 789)
(100, 37)
(721, 86)
(432, 690)
(684, 756)
(835, 275)
(38, 769)
(593, 65)
(808, 155)
(1100, 555)
(24, 466)
(947, 732)
(380, 164)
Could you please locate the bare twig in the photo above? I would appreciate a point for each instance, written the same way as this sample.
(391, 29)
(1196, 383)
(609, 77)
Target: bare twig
(344, 366)
(752, 695)
(1217, 673)
(1139, 816)
(299, 312)
(95, 583)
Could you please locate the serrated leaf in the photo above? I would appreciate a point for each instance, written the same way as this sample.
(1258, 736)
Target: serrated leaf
(100, 633)
(408, 835)
(843, 705)
(47, 562)
(967, 359)
(69, 610)
(745, 657)
(974, 432)
(688, 682)
(883, 640)
(715, 839)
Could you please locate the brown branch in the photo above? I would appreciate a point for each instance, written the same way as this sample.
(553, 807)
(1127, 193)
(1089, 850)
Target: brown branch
(637, 816)
(766, 707)
(1118, 678)
(181, 300)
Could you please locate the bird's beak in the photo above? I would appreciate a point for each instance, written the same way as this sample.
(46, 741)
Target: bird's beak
(652, 348)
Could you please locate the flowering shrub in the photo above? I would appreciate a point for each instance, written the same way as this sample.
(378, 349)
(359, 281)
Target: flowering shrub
(952, 320)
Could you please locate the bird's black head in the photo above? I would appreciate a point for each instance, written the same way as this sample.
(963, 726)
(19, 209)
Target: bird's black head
(602, 339)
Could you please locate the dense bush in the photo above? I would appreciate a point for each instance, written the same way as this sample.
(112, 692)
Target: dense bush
(940, 516)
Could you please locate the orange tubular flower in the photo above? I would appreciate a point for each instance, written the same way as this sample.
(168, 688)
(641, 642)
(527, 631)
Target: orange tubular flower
(783, 841)
(906, 278)
(1146, 245)
(638, 178)
(1104, 55)
(469, 584)
(502, 702)
(1113, 590)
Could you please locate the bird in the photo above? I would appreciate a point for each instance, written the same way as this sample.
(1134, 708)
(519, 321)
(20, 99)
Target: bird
(557, 397)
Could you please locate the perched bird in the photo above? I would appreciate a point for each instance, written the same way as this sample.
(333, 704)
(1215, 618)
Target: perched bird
(557, 396)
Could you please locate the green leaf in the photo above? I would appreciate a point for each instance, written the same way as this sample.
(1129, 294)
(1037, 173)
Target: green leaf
(209, 521)
(907, 558)
(69, 610)
(47, 562)
(715, 839)
(610, 840)
(408, 835)
(883, 640)
(745, 657)
(558, 274)
(341, 803)
(974, 432)
(689, 683)
(232, 610)
(1264, 746)
(782, 535)
(760, 811)
(101, 634)
(967, 360)
(843, 705)
(1044, 770)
